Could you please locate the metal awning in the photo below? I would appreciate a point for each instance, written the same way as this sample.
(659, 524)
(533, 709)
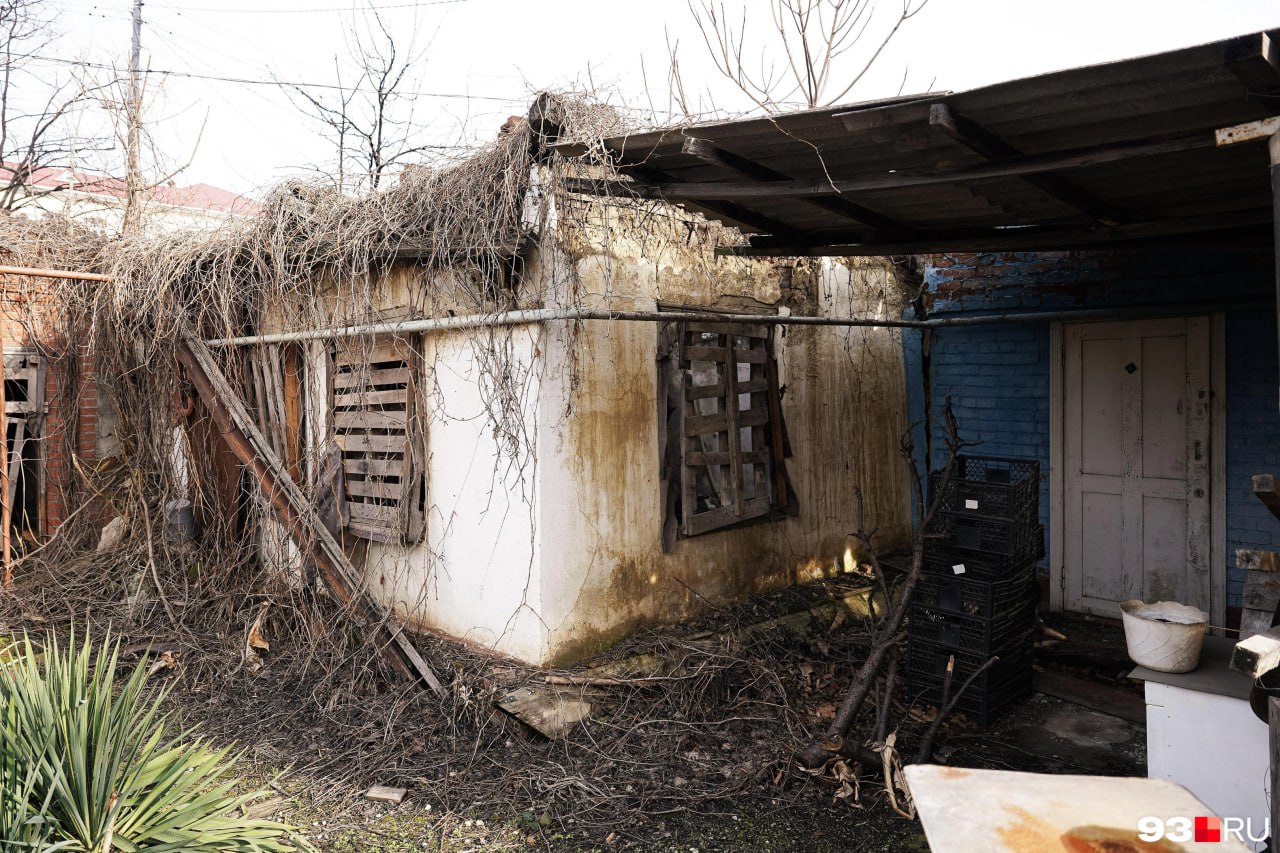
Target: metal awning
(1115, 153)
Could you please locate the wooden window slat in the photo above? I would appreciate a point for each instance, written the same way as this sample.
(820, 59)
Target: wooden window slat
(725, 424)
(371, 378)
(374, 426)
(362, 398)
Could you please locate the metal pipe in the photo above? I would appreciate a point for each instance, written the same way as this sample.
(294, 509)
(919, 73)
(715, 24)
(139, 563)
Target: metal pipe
(543, 315)
(37, 272)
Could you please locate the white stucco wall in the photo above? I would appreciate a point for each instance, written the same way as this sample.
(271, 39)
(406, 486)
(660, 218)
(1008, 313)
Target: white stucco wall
(544, 528)
(477, 573)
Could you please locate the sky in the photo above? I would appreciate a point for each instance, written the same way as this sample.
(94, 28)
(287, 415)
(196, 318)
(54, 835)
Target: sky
(480, 61)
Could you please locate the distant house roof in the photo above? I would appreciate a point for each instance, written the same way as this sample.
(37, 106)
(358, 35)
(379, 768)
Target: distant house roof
(1123, 152)
(201, 197)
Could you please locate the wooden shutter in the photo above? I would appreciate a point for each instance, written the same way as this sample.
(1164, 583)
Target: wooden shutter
(727, 474)
(375, 423)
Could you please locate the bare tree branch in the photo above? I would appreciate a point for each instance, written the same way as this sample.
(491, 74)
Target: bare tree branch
(37, 127)
(813, 35)
(370, 119)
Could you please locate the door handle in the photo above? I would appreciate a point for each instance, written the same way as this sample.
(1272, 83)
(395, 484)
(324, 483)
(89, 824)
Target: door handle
(1197, 452)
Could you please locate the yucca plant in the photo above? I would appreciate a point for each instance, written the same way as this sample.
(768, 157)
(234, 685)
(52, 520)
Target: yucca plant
(86, 767)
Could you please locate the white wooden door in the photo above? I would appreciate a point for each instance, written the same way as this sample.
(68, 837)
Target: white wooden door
(1136, 454)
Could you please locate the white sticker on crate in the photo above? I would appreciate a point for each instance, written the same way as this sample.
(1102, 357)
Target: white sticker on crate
(958, 568)
(970, 503)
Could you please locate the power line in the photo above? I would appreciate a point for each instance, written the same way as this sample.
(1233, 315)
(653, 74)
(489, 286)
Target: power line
(351, 8)
(249, 81)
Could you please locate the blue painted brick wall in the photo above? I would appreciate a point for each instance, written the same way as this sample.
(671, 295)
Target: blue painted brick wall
(1253, 436)
(998, 380)
(998, 376)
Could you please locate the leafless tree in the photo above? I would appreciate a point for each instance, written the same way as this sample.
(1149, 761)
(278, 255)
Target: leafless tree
(38, 110)
(826, 48)
(369, 115)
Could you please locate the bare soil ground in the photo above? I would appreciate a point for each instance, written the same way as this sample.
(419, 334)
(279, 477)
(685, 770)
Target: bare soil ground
(698, 758)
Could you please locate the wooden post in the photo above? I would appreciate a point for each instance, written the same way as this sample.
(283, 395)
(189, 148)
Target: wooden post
(1273, 147)
(6, 505)
(1273, 716)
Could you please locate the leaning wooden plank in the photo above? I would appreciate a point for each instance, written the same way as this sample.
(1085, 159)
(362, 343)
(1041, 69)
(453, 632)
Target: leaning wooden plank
(292, 508)
(1261, 591)
(15, 456)
(548, 711)
(1265, 490)
(1255, 621)
(1257, 655)
(1257, 561)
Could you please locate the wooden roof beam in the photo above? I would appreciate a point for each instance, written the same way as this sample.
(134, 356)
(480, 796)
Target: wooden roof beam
(1255, 61)
(707, 152)
(1029, 239)
(988, 145)
(1011, 167)
(729, 210)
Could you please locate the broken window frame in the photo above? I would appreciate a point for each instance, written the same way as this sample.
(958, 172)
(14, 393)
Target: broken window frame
(379, 434)
(723, 462)
(24, 369)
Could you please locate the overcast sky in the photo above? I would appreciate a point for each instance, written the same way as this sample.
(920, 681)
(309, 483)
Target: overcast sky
(481, 60)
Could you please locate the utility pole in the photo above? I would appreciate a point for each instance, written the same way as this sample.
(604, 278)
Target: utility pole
(133, 177)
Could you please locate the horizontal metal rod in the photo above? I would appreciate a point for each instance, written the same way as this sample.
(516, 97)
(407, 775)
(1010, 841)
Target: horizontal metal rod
(544, 315)
(37, 272)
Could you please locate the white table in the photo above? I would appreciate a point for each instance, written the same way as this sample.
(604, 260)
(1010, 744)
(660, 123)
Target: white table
(1202, 734)
(999, 811)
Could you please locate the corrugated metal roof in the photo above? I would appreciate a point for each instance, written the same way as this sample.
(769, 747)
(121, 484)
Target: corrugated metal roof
(1115, 152)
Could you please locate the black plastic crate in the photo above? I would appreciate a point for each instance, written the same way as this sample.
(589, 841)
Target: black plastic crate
(986, 699)
(971, 633)
(989, 535)
(999, 487)
(929, 659)
(1003, 683)
(946, 558)
(966, 595)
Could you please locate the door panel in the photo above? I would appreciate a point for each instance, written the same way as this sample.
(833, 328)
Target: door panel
(1135, 446)
(1101, 409)
(1164, 426)
(1101, 550)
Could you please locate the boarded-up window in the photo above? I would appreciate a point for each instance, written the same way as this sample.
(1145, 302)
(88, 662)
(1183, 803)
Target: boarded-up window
(379, 433)
(722, 425)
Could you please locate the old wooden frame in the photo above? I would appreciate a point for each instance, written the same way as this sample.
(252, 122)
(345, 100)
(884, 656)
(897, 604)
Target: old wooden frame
(723, 482)
(377, 428)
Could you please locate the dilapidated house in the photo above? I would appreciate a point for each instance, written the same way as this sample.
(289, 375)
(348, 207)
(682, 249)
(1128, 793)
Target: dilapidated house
(597, 443)
(1096, 287)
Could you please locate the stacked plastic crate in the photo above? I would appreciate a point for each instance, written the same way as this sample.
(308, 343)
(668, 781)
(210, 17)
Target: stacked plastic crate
(977, 594)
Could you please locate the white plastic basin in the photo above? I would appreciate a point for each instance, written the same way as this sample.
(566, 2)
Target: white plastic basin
(1164, 636)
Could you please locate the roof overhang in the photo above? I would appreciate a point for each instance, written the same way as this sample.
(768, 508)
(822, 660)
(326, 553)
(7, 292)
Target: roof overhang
(1122, 153)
